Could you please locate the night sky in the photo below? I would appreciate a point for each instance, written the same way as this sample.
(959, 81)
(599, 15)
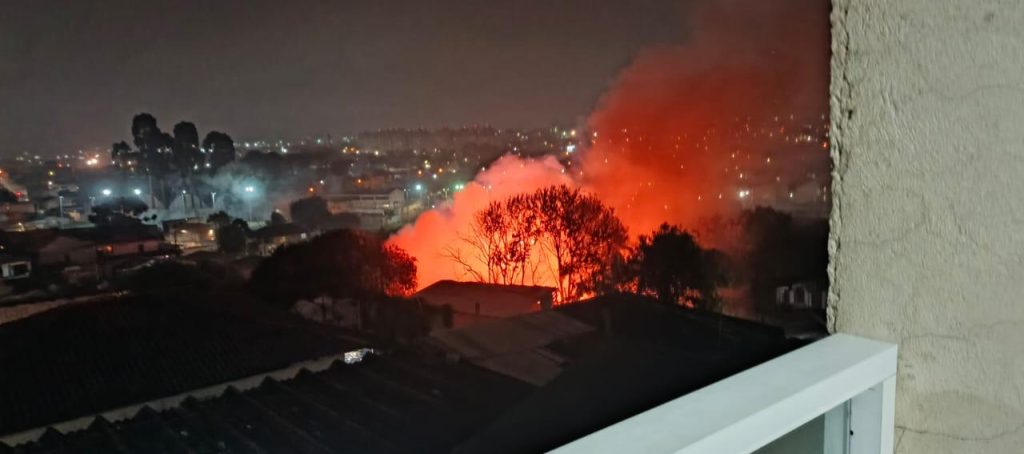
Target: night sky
(73, 72)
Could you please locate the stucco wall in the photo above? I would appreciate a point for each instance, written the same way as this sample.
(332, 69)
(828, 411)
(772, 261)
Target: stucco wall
(928, 220)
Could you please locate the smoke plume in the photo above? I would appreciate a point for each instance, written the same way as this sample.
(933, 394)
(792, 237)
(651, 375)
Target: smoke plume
(731, 118)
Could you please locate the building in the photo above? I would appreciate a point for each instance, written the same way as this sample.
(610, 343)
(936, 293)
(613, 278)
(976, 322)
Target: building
(802, 295)
(14, 267)
(375, 209)
(473, 302)
(191, 236)
(86, 251)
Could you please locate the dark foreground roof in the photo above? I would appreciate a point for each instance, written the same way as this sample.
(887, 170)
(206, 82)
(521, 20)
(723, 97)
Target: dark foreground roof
(642, 354)
(380, 405)
(84, 359)
(639, 354)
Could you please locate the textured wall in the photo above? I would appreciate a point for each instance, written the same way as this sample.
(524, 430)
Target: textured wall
(928, 224)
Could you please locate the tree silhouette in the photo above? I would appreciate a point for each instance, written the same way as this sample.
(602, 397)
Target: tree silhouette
(671, 266)
(310, 212)
(231, 238)
(122, 155)
(338, 264)
(118, 211)
(220, 148)
(556, 235)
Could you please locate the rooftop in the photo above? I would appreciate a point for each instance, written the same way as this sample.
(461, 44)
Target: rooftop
(616, 356)
(494, 300)
(84, 359)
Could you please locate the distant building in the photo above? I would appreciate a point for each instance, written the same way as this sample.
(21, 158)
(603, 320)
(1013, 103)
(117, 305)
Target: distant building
(86, 248)
(375, 209)
(14, 267)
(473, 302)
(190, 236)
(801, 295)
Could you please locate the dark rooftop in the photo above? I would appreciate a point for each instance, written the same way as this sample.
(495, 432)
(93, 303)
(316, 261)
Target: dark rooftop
(84, 359)
(639, 354)
(383, 404)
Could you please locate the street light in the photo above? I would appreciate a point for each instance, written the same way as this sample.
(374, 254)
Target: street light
(106, 192)
(250, 190)
(137, 191)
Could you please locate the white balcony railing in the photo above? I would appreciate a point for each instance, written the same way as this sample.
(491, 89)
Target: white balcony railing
(846, 380)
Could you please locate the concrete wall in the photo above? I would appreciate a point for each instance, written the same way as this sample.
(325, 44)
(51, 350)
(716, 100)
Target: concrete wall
(928, 223)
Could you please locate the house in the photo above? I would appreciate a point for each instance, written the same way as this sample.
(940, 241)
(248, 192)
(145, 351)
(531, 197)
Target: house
(375, 209)
(473, 302)
(802, 295)
(85, 250)
(267, 239)
(191, 236)
(14, 266)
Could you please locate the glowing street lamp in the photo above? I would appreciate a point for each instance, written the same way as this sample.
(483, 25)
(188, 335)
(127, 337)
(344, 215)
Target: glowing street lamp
(106, 192)
(250, 190)
(137, 191)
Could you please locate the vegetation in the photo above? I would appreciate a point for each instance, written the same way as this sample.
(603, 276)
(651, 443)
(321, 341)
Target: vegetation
(165, 157)
(558, 233)
(669, 265)
(118, 211)
(337, 264)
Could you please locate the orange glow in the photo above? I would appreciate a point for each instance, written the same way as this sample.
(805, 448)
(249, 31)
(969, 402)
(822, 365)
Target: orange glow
(665, 138)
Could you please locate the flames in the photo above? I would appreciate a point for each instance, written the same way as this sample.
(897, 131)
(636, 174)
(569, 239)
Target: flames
(684, 132)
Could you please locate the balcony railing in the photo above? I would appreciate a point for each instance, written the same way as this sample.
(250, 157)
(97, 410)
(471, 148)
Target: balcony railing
(844, 383)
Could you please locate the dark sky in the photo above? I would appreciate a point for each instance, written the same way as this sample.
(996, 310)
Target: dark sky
(73, 72)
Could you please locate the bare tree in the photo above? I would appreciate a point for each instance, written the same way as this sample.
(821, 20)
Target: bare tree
(557, 236)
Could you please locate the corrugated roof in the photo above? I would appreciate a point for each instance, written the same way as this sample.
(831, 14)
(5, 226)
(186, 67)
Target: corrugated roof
(381, 405)
(79, 360)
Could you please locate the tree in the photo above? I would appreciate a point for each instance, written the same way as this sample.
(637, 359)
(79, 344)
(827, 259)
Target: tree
(502, 238)
(220, 148)
(338, 264)
(556, 235)
(6, 196)
(220, 218)
(276, 218)
(186, 155)
(582, 235)
(777, 250)
(118, 211)
(122, 155)
(152, 144)
(310, 212)
(186, 148)
(231, 238)
(671, 266)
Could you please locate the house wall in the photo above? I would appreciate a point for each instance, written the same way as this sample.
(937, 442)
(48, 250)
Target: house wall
(132, 247)
(927, 250)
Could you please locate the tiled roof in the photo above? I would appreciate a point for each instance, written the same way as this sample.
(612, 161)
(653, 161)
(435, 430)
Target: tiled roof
(380, 405)
(80, 360)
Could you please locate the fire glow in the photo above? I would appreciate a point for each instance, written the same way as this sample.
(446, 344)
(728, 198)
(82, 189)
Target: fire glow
(668, 139)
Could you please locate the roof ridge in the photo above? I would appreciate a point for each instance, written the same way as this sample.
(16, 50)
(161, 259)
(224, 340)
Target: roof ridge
(161, 404)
